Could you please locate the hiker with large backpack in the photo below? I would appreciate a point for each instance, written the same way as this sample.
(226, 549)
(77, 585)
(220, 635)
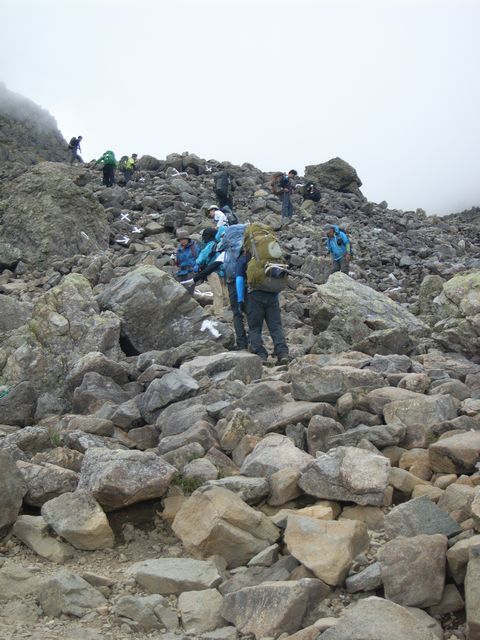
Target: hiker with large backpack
(231, 244)
(339, 246)
(262, 272)
(109, 165)
(75, 150)
(223, 187)
(209, 267)
(218, 217)
(283, 186)
(186, 259)
(130, 165)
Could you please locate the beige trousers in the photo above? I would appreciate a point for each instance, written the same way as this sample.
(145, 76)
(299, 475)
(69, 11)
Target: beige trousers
(220, 295)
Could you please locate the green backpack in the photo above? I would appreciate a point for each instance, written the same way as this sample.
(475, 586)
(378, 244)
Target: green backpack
(109, 158)
(266, 269)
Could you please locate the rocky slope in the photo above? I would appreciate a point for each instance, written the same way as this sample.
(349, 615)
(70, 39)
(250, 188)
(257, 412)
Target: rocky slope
(157, 484)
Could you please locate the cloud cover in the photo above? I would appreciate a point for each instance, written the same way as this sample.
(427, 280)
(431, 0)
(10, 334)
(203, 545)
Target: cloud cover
(388, 85)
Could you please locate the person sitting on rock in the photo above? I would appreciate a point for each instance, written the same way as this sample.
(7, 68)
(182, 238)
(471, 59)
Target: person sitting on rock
(185, 259)
(338, 245)
(219, 219)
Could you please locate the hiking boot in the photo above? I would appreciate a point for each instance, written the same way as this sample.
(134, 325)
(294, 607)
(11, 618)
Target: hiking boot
(283, 358)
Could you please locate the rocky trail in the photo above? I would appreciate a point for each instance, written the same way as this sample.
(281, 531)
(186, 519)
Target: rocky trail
(157, 484)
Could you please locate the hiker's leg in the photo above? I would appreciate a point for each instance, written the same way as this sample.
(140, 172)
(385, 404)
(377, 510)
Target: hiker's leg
(274, 322)
(223, 284)
(344, 266)
(105, 175)
(256, 316)
(285, 205)
(242, 341)
(335, 266)
(216, 287)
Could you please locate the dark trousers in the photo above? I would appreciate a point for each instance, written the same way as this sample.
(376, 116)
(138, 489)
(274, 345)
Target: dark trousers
(240, 333)
(264, 306)
(108, 175)
(341, 265)
(224, 200)
(128, 175)
(287, 206)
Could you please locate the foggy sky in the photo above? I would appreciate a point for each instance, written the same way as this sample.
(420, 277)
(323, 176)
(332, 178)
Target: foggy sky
(390, 86)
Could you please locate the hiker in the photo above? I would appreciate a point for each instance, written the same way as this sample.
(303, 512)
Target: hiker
(218, 218)
(109, 165)
(231, 244)
(129, 167)
(209, 268)
(259, 269)
(283, 186)
(185, 260)
(338, 245)
(223, 187)
(75, 150)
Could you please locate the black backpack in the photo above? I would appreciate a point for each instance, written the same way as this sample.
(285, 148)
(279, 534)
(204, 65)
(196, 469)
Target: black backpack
(221, 184)
(311, 192)
(340, 240)
(73, 143)
(232, 218)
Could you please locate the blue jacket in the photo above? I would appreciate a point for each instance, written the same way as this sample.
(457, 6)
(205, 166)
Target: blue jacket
(339, 245)
(207, 254)
(186, 258)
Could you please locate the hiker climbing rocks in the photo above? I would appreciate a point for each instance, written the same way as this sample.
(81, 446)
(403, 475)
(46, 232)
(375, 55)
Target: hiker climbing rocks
(261, 270)
(109, 165)
(129, 167)
(185, 259)
(75, 150)
(283, 186)
(209, 267)
(338, 245)
(218, 218)
(223, 187)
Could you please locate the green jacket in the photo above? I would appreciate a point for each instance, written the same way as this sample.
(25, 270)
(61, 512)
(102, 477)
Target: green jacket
(108, 158)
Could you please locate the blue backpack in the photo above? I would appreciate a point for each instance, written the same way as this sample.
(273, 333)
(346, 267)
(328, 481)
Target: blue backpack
(232, 243)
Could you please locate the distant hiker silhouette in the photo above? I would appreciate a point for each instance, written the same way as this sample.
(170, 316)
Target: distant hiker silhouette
(74, 148)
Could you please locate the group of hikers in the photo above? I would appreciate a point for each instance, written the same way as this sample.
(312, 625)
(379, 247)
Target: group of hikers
(126, 164)
(243, 266)
(242, 263)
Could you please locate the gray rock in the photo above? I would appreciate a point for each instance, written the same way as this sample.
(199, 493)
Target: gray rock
(169, 576)
(413, 570)
(119, 478)
(458, 453)
(200, 610)
(472, 594)
(174, 386)
(349, 474)
(68, 593)
(367, 580)
(46, 481)
(272, 608)
(424, 410)
(273, 453)
(377, 618)
(18, 406)
(201, 433)
(380, 436)
(250, 490)
(13, 489)
(95, 391)
(225, 366)
(320, 431)
(418, 516)
(17, 580)
(141, 609)
(335, 174)
(99, 363)
(33, 532)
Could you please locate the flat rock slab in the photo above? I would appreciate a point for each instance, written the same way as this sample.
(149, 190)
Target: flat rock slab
(68, 593)
(455, 454)
(425, 410)
(168, 576)
(33, 531)
(378, 619)
(418, 516)
(225, 366)
(273, 453)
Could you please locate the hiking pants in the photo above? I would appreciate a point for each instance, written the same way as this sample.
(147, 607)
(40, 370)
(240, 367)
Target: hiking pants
(224, 201)
(75, 156)
(108, 175)
(190, 287)
(341, 265)
(264, 306)
(219, 290)
(287, 207)
(240, 333)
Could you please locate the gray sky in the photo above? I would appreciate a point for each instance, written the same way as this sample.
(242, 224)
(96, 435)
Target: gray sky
(390, 86)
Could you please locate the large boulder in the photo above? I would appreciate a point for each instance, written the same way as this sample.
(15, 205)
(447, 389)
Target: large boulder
(118, 478)
(66, 324)
(272, 608)
(172, 576)
(62, 218)
(458, 307)
(13, 490)
(215, 521)
(273, 453)
(349, 474)
(362, 317)
(67, 593)
(458, 453)
(335, 174)
(156, 311)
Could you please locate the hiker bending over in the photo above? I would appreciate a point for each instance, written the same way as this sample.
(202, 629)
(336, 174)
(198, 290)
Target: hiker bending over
(209, 266)
(218, 218)
(338, 245)
(109, 165)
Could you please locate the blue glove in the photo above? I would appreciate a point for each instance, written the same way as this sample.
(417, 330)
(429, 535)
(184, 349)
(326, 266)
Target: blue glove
(196, 268)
